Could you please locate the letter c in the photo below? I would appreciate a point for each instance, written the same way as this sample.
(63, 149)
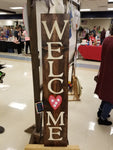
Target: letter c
(50, 89)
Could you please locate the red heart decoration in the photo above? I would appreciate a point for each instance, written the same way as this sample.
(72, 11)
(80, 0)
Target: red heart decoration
(55, 102)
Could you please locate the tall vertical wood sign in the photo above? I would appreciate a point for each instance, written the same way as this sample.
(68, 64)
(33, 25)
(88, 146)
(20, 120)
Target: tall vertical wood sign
(55, 46)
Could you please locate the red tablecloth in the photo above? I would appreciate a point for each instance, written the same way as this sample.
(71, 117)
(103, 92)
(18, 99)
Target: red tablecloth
(90, 52)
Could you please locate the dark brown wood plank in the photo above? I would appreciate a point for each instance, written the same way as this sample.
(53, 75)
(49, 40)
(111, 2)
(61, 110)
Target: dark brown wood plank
(55, 134)
(34, 55)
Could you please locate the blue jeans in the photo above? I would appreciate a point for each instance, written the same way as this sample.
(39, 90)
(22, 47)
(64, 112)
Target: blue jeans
(106, 108)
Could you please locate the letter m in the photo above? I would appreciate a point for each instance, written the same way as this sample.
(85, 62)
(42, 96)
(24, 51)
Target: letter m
(55, 26)
(55, 121)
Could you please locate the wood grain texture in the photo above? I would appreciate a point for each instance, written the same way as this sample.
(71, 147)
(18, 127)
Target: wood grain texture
(59, 66)
(41, 147)
(34, 56)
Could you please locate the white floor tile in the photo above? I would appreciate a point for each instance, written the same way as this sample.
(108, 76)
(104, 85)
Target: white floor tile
(17, 109)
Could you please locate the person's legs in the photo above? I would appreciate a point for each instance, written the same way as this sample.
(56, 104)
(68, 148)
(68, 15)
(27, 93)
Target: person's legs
(102, 104)
(106, 109)
(100, 109)
(27, 44)
(19, 48)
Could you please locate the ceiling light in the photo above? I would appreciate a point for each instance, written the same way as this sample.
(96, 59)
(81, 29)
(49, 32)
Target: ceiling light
(110, 1)
(16, 7)
(3, 13)
(85, 10)
(110, 8)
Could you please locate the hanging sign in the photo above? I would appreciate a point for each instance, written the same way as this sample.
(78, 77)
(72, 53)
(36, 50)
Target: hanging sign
(55, 46)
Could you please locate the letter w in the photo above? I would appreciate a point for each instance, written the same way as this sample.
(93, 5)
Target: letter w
(55, 26)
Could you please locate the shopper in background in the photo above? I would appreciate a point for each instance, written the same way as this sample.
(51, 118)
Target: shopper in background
(94, 31)
(104, 87)
(102, 36)
(12, 30)
(27, 39)
(5, 32)
(87, 36)
(8, 32)
(98, 30)
(92, 38)
(107, 32)
(17, 39)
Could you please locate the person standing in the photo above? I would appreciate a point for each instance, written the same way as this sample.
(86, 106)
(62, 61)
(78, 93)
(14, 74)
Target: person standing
(107, 33)
(17, 36)
(92, 38)
(27, 39)
(94, 31)
(102, 36)
(104, 87)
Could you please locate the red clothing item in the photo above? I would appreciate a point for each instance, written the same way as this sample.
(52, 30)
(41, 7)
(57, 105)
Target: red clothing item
(104, 88)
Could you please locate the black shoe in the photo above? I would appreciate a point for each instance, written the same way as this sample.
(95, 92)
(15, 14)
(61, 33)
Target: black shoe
(1, 129)
(104, 122)
(99, 114)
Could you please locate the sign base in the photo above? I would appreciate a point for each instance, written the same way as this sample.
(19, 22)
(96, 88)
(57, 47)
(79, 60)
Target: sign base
(42, 147)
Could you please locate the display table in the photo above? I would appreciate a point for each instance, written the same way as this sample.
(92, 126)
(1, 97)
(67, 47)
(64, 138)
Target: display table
(5, 46)
(90, 52)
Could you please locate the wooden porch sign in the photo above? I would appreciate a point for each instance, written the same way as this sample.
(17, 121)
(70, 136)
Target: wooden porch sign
(55, 46)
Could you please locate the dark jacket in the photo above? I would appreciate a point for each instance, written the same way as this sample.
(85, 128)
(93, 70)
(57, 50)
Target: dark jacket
(17, 36)
(103, 33)
(104, 88)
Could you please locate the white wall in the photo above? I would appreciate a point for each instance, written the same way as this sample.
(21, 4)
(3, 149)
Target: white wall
(6, 22)
(97, 22)
(9, 22)
(90, 23)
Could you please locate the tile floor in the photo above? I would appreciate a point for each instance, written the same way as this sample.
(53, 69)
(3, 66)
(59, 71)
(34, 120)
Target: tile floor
(17, 108)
